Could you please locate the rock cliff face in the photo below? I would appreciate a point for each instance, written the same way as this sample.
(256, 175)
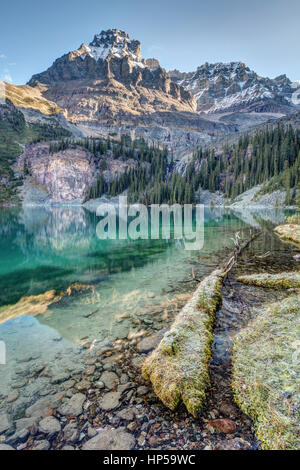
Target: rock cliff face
(227, 87)
(108, 78)
(64, 176)
(106, 86)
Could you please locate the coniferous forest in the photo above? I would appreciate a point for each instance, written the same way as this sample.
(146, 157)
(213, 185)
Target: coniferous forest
(270, 157)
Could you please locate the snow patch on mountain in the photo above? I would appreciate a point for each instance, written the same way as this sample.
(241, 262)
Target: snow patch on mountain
(244, 97)
(114, 43)
(296, 97)
(223, 86)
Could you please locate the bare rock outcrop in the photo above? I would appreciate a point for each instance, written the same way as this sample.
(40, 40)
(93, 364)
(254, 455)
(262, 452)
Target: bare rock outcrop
(224, 87)
(108, 78)
(65, 176)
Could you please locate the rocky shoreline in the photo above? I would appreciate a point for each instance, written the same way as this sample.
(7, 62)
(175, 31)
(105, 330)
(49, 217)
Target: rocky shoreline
(110, 406)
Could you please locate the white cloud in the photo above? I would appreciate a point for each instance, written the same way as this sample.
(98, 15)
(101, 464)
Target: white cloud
(2, 56)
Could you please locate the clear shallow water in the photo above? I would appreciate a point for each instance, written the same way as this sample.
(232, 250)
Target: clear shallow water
(134, 285)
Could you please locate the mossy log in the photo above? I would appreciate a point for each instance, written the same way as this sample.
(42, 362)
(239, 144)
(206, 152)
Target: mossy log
(289, 232)
(179, 367)
(266, 371)
(282, 280)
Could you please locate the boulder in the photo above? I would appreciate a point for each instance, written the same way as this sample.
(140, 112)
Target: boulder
(73, 406)
(110, 379)
(110, 401)
(6, 447)
(50, 426)
(111, 439)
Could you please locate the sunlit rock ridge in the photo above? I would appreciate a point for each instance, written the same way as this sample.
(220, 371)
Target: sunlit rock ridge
(108, 77)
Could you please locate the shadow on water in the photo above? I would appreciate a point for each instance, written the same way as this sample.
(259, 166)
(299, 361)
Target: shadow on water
(31, 281)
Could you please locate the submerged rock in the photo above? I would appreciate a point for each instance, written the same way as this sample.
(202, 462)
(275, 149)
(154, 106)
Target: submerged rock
(37, 305)
(282, 280)
(110, 401)
(6, 447)
(50, 426)
(110, 379)
(151, 342)
(41, 445)
(71, 432)
(233, 444)
(5, 423)
(73, 406)
(227, 426)
(127, 413)
(265, 371)
(111, 439)
(179, 367)
(43, 407)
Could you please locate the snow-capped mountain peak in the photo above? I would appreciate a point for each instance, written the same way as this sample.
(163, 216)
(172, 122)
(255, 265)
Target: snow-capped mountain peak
(109, 78)
(114, 43)
(233, 86)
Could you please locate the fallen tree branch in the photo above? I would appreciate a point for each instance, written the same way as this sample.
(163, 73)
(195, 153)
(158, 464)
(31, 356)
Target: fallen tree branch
(286, 280)
(238, 250)
(179, 367)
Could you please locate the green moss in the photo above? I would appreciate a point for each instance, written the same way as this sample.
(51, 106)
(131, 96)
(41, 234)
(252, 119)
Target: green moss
(282, 280)
(293, 219)
(20, 414)
(289, 232)
(266, 371)
(179, 367)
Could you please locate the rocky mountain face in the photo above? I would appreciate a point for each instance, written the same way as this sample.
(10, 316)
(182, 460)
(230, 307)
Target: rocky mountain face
(108, 79)
(63, 176)
(107, 88)
(232, 87)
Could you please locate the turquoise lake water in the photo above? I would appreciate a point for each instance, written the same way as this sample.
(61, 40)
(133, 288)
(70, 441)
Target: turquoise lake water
(129, 283)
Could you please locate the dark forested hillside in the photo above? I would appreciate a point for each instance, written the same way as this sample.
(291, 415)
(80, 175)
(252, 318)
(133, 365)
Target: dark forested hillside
(152, 180)
(270, 157)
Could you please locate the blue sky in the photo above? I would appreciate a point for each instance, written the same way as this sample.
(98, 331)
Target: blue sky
(265, 34)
